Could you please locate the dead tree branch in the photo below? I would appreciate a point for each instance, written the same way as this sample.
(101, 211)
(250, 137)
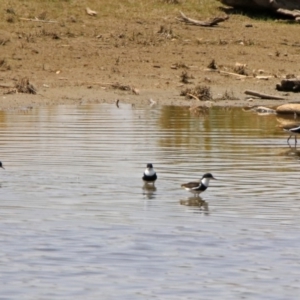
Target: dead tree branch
(208, 23)
(290, 13)
(263, 96)
(37, 20)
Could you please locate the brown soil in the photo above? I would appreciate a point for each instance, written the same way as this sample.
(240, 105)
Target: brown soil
(86, 59)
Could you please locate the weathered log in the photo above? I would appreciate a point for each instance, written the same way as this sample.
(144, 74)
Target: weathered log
(37, 20)
(289, 85)
(289, 108)
(285, 4)
(248, 4)
(240, 76)
(290, 13)
(263, 77)
(262, 95)
(208, 23)
(263, 4)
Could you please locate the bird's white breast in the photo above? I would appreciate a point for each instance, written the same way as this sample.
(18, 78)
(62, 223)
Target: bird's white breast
(149, 172)
(205, 181)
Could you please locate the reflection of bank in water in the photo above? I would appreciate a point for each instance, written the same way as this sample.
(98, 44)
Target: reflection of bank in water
(195, 201)
(149, 190)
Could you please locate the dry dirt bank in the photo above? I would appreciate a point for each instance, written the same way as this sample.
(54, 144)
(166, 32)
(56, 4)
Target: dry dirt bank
(80, 58)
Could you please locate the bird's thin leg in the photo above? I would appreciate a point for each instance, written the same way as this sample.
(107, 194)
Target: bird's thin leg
(289, 139)
(295, 140)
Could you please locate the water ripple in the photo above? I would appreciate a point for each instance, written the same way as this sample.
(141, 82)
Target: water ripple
(77, 222)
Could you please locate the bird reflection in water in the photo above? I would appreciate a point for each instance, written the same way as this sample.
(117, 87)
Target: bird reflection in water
(195, 201)
(292, 151)
(149, 190)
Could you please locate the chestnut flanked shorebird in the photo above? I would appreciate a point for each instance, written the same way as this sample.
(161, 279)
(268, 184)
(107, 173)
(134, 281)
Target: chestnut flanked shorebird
(199, 186)
(292, 130)
(149, 175)
(1, 165)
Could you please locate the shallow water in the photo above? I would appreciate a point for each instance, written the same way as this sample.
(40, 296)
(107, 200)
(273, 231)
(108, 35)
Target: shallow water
(75, 221)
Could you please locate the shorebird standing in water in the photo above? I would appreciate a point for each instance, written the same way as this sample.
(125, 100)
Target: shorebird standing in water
(149, 175)
(198, 187)
(292, 130)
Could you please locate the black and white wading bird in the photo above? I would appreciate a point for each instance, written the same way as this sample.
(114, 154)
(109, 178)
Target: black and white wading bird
(198, 187)
(1, 165)
(149, 174)
(292, 130)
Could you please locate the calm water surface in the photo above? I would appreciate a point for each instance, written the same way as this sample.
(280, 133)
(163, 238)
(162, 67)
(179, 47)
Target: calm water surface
(76, 223)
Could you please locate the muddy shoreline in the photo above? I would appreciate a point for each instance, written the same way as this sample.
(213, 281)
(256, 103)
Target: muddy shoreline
(94, 95)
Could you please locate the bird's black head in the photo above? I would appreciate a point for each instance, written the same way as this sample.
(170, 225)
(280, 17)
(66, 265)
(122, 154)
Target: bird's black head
(208, 175)
(1, 166)
(149, 166)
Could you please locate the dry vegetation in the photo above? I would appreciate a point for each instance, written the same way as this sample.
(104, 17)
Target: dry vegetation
(199, 92)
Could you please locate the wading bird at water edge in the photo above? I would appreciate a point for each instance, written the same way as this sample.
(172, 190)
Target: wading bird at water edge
(149, 175)
(292, 130)
(198, 187)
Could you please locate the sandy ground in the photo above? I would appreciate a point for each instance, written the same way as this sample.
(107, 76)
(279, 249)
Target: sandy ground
(94, 60)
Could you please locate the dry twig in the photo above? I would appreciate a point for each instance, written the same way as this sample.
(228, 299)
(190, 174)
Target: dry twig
(38, 20)
(262, 95)
(209, 23)
(90, 12)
